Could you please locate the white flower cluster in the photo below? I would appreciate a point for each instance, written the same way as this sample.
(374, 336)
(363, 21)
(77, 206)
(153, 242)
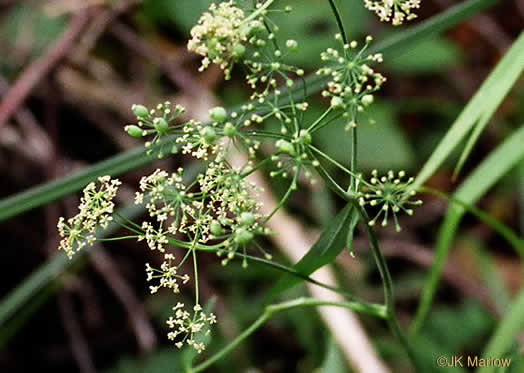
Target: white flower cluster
(96, 209)
(390, 193)
(395, 11)
(167, 275)
(221, 35)
(352, 79)
(190, 327)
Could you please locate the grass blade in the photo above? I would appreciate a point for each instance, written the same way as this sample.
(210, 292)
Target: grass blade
(505, 334)
(498, 163)
(478, 111)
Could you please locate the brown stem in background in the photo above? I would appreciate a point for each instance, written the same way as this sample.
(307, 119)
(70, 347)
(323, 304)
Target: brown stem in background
(135, 310)
(173, 69)
(35, 72)
(79, 344)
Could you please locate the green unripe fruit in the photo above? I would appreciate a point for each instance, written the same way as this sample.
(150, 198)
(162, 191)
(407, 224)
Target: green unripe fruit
(140, 111)
(134, 131)
(209, 135)
(243, 237)
(230, 130)
(285, 147)
(219, 114)
(215, 228)
(238, 51)
(246, 218)
(174, 149)
(160, 125)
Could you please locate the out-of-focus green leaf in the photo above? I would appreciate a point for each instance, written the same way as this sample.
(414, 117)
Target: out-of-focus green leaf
(432, 56)
(394, 151)
(334, 362)
(324, 251)
(182, 13)
(506, 333)
(312, 25)
(166, 360)
(29, 28)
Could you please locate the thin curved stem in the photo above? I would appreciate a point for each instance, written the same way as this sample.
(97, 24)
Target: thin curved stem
(388, 289)
(339, 20)
(376, 310)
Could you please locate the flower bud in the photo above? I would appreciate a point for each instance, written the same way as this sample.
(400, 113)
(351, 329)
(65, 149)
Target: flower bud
(367, 100)
(292, 45)
(337, 102)
(134, 131)
(218, 113)
(305, 136)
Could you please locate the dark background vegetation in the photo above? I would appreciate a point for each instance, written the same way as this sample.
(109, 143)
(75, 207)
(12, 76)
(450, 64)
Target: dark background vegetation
(98, 316)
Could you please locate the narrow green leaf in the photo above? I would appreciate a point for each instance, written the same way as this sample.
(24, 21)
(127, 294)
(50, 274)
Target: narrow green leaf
(324, 251)
(491, 170)
(49, 192)
(505, 334)
(478, 111)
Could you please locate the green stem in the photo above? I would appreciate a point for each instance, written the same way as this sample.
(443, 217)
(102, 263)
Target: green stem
(339, 21)
(388, 289)
(259, 11)
(312, 128)
(284, 199)
(353, 165)
(376, 310)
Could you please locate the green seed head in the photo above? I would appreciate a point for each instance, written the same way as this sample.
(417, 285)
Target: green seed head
(243, 236)
(160, 125)
(305, 137)
(238, 51)
(216, 228)
(230, 130)
(246, 218)
(209, 135)
(218, 113)
(140, 111)
(285, 147)
(134, 131)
